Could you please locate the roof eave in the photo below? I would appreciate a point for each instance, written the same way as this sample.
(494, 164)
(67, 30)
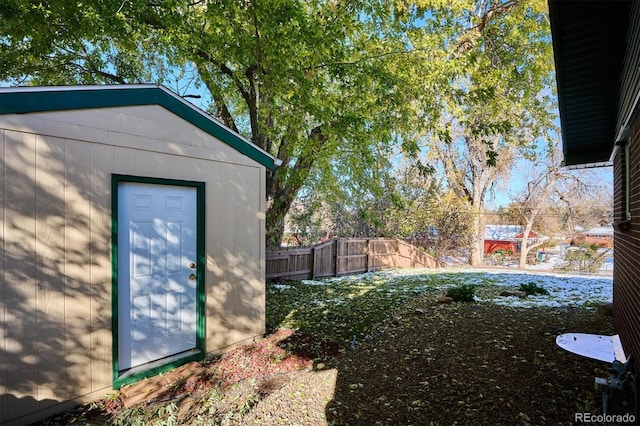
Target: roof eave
(588, 41)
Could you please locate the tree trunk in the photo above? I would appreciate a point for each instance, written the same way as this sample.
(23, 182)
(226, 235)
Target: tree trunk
(524, 249)
(280, 197)
(284, 184)
(477, 229)
(274, 223)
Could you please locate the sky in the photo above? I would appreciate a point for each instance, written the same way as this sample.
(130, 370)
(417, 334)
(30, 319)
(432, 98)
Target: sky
(517, 181)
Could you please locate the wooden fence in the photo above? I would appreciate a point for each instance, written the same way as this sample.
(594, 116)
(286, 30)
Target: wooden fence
(345, 256)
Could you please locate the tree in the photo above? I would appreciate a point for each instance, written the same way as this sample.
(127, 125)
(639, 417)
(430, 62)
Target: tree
(549, 184)
(534, 198)
(400, 204)
(321, 85)
(499, 103)
(582, 202)
(451, 223)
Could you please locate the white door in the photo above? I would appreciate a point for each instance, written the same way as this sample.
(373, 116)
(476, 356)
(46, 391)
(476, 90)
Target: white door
(156, 272)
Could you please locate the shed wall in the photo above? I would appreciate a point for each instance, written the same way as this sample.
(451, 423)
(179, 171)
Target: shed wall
(491, 246)
(55, 240)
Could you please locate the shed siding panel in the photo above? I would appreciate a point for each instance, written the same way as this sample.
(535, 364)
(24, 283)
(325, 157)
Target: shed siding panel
(78, 267)
(21, 273)
(245, 240)
(234, 271)
(626, 289)
(146, 163)
(218, 288)
(36, 123)
(3, 292)
(102, 165)
(153, 121)
(50, 303)
(124, 160)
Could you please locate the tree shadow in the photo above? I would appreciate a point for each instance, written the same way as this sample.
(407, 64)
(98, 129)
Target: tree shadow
(470, 364)
(53, 313)
(56, 337)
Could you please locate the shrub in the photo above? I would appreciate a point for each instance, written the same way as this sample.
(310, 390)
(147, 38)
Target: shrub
(501, 256)
(584, 258)
(462, 293)
(532, 288)
(503, 252)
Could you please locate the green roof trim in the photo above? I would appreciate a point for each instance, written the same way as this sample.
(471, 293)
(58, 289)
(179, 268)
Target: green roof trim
(35, 99)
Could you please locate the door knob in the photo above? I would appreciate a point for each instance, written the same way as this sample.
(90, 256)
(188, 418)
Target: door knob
(192, 265)
(192, 277)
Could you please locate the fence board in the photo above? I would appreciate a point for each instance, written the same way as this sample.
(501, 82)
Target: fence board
(345, 256)
(324, 261)
(295, 264)
(351, 256)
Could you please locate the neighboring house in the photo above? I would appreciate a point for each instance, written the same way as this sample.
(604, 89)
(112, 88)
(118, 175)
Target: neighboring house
(132, 241)
(507, 237)
(602, 236)
(597, 56)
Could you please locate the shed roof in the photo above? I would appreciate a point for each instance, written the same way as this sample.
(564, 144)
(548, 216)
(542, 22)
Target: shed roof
(600, 231)
(589, 42)
(23, 100)
(509, 233)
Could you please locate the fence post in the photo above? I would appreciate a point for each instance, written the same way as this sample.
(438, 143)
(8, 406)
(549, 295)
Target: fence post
(396, 255)
(336, 257)
(313, 262)
(367, 250)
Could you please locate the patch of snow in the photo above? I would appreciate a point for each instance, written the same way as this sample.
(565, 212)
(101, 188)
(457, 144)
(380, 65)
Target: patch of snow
(600, 231)
(564, 289)
(316, 282)
(281, 286)
(455, 260)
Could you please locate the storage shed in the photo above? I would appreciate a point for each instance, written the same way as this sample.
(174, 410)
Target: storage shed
(132, 241)
(508, 238)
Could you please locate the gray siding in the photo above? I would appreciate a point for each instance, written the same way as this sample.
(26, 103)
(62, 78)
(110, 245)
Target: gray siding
(630, 80)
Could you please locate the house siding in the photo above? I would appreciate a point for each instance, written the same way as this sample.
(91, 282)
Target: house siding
(630, 79)
(604, 241)
(626, 289)
(55, 241)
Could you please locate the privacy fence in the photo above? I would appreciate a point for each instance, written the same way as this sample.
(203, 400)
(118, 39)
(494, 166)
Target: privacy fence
(345, 256)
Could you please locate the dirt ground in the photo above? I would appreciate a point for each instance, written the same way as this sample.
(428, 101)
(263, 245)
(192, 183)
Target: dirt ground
(450, 364)
(459, 363)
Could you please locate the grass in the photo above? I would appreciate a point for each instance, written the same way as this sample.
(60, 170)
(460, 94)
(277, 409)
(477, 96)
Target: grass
(350, 308)
(353, 307)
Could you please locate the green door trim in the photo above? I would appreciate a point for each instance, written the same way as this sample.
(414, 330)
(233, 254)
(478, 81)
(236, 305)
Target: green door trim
(118, 379)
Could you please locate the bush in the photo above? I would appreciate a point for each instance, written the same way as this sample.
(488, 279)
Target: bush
(532, 288)
(584, 258)
(501, 256)
(503, 252)
(462, 293)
